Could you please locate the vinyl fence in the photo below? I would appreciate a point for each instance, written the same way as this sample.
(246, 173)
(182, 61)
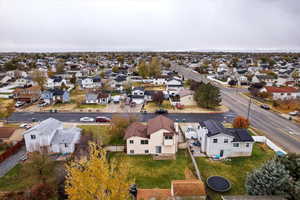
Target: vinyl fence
(268, 142)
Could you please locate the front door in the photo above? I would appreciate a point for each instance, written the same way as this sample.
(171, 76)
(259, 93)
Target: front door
(158, 149)
(221, 153)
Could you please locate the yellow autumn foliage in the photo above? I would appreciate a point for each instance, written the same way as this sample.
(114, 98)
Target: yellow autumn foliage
(97, 178)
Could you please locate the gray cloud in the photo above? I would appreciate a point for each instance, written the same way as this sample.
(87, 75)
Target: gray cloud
(97, 25)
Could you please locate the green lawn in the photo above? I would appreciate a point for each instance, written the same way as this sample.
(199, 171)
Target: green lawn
(235, 170)
(152, 107)
(101, 133)
(149, 173)
(91, 106)
(13, 180)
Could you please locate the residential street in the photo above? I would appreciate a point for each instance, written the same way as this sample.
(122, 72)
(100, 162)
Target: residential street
(74, 117)
(281, 131)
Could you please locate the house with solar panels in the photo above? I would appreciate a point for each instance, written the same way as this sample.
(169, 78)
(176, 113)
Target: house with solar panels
(220, 142)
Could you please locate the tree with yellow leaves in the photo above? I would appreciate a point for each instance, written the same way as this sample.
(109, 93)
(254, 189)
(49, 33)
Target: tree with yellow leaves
(97, 178)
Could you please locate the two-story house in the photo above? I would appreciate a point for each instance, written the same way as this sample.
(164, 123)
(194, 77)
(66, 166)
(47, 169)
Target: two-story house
(28, 95)
(159, 137)
(97, 98)
(216, 140)
(50, 136)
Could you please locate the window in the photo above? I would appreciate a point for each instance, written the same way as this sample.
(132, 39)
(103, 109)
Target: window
(215, 140)
(168, 137)
(144, 141)
(247, 145)
(132, 151)
(147, 151)
(236, 144)
(66, 145)
(33, 137)
(130, 141)
(225, 140)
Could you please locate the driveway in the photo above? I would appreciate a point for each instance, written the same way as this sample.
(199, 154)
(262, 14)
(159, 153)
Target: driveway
(12, 161)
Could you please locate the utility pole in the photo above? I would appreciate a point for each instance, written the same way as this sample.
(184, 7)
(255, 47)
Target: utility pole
(248, 115)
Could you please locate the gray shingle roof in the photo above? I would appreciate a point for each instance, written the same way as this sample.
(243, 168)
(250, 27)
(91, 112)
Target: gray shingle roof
(66, 136)
(46, 127)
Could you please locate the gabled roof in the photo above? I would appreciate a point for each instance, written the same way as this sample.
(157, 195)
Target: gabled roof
(138, 88)
(66, 136)
(215, 128)
(45, 127)
(136, 129)
(160, 122)
(273, 89)
(188, 188)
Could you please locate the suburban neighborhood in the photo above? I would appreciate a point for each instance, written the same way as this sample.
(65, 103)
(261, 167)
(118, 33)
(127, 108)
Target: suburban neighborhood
(149, 100)
(130, 105)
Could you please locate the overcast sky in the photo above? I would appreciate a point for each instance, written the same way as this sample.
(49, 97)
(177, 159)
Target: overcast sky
(109, 25)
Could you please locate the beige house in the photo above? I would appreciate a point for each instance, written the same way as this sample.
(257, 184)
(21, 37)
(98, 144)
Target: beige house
(159, 136)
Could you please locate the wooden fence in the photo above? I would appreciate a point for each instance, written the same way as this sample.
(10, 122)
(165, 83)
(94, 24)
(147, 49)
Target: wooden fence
(11, 151)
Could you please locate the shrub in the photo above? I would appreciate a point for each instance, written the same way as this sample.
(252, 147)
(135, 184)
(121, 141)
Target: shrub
(240, 122)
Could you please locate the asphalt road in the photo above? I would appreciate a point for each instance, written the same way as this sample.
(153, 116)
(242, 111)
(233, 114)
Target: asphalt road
(281, 131)
(75, 117)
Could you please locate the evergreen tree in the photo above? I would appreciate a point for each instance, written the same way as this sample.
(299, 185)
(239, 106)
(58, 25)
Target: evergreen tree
(207, 96)
(292, 164)
(271, 179)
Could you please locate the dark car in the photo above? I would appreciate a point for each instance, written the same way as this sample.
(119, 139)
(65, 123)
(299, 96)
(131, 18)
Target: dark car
(266, 107)
(161, 111)
(103, 119)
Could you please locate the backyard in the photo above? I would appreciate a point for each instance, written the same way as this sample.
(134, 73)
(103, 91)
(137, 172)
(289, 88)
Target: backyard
(149, 173)
(15, 180)
(235, 170)
(101, 133)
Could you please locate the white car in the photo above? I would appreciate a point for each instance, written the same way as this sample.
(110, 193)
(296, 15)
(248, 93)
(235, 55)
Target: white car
(26, 126)
(87, 119)
(19, 104)
(295, 113)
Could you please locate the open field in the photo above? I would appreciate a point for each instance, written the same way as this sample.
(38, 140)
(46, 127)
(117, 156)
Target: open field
(149, 173)
(235, 170)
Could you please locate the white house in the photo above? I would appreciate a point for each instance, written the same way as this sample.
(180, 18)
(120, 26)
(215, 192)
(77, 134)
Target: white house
(50, 136)
(87, 83)
(174, 84)
(224, 142)
(138, 95)
(159, 137)
(282, 93)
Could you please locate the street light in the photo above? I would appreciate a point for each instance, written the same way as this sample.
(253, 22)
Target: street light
(248, 115)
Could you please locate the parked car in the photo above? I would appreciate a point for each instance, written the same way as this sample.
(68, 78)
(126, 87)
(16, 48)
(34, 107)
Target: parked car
(143, 111)
(103, 119)
(43, 104)
(266, 107)
(26, 126)
(161, 111)
(19, 104)
(87, 119)
(294, 113)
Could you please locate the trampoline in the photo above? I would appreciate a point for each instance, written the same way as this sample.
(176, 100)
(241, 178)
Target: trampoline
(218, 183)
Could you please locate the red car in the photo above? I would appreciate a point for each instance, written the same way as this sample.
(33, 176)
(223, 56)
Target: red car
(103, 119)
